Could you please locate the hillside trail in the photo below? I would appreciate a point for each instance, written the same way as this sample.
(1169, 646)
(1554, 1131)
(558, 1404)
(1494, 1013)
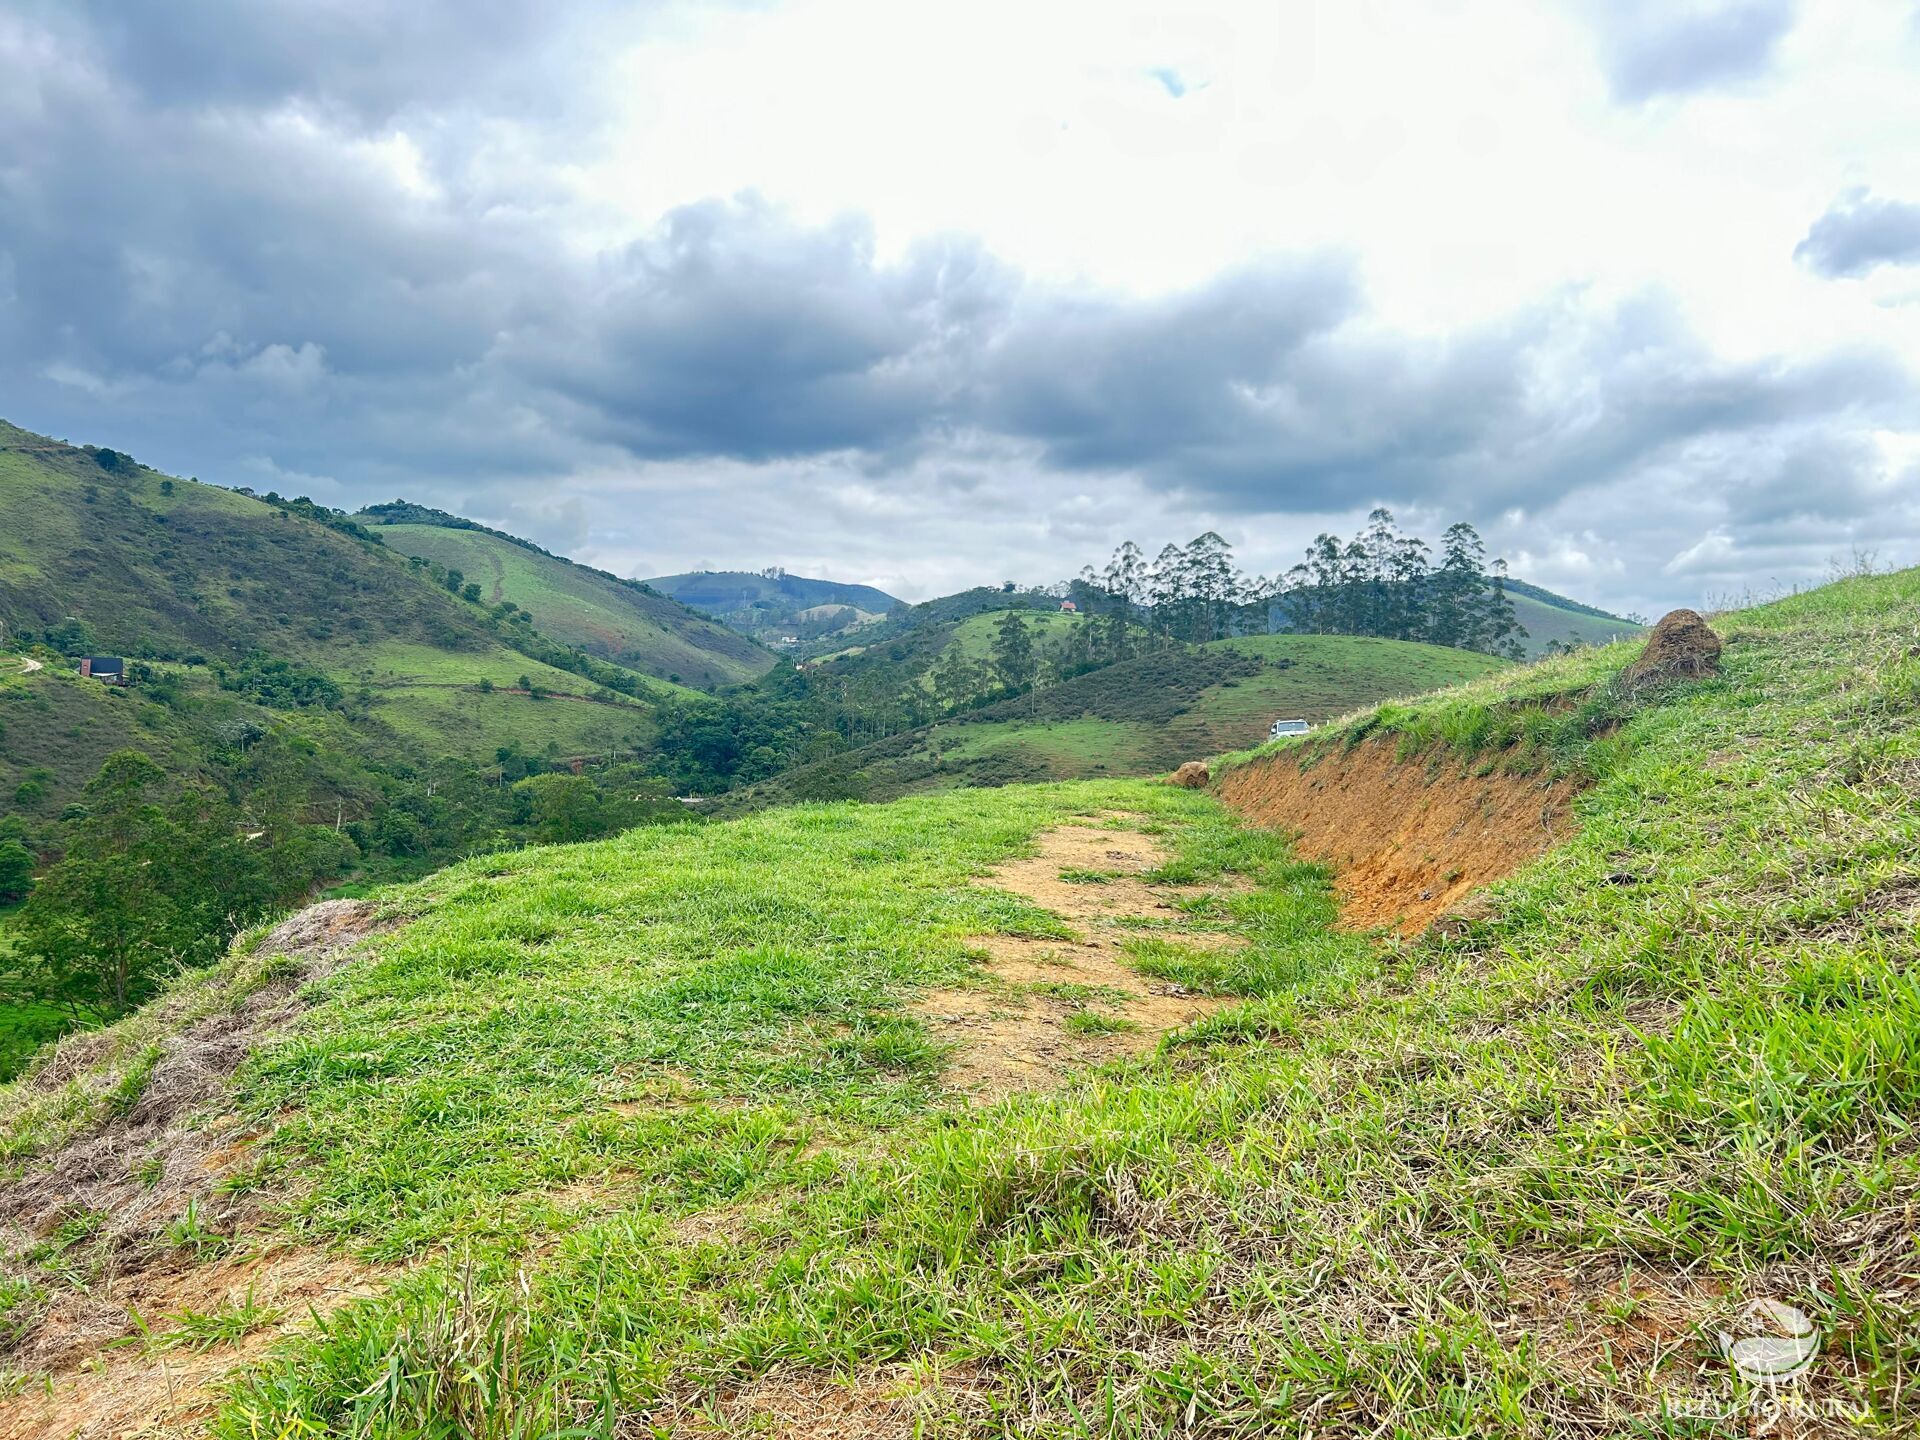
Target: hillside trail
(1036, 1012)
(28, 665)
(1040, 1008)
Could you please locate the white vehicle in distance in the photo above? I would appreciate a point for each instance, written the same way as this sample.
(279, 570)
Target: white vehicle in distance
(1288, 727)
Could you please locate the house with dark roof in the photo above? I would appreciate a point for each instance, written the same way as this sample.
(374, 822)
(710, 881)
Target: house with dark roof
(107, 669)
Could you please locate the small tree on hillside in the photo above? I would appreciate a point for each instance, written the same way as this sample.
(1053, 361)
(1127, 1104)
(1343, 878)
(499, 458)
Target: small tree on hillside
(143, 889)
(1013, 659)
(16, 872)
(955, 678)
(562, 808)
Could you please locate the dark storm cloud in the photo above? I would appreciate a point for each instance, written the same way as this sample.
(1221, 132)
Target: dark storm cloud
(1651, 48)
(1859, 232)
(732, 331)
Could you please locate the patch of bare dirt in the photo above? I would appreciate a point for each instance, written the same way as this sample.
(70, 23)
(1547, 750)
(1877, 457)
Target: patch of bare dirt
(1406, 845)
(144, 1185)
(905, 1401)
(169, 1388)
(1036, 1015)
(1643, 1342)
(140, 1168)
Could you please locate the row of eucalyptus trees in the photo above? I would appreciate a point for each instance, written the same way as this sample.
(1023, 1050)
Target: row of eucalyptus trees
(1379, 582)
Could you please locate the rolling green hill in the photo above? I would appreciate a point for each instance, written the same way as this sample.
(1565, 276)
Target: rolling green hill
(617, 620)
(290, 673)
(1070, 1104)
(1550, 618)
(773, 605)
(108, 556)
(1137, 717)
(974, 636)
(928, 617)
(909, 653)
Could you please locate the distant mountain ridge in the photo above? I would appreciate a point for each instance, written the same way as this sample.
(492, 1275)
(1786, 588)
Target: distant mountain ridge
(726, 589)
(772, 606)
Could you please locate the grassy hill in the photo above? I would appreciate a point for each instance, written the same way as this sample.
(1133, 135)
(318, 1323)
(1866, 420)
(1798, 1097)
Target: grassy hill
(1137, 717)
(975, 635)
(882, 1120)
(614, 619)
(147, 565)
(909, 643)
(769, 607)
(911, 623)
(1549, 617)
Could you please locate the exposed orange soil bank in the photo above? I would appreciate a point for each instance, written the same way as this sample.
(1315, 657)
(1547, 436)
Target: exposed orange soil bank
(1407, 840)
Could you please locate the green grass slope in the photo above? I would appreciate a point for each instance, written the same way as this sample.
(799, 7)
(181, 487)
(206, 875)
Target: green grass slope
(912, 624)
(579, 606)
(1138, 717)
(658, 1136)
(166, 567)
(160, 565)
(907, 645)
(1551, 618)
(1049, 628)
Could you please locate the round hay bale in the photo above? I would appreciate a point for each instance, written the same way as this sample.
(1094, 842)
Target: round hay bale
(1194, 775)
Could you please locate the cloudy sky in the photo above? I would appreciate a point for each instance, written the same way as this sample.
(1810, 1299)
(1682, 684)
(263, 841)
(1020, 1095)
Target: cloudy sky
(923, 294)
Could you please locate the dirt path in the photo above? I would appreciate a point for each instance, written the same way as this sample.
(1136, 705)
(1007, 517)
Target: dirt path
(1046, 1008)
(1021, 1026)
(28, 665)
(498, 591)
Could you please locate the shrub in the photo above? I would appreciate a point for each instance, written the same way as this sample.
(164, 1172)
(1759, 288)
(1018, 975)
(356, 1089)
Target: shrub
(16, 872)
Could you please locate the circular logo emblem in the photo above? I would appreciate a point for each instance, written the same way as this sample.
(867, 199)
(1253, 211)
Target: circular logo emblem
(1778, 1343)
